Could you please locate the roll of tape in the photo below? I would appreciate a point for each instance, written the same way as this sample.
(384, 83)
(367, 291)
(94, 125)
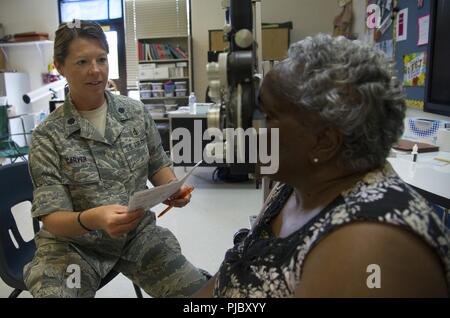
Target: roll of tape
(443, 139)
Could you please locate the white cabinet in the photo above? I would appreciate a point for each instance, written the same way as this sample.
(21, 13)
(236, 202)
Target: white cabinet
(12, 88)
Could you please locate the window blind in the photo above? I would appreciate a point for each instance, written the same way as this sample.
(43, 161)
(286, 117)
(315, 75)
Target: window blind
(151, 19)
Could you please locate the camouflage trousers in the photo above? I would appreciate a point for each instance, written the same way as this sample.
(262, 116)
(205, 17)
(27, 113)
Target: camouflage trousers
(152, 260)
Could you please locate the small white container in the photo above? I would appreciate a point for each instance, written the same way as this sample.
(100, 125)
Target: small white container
(180, 91)
(443, 139)
(145, 94)
(202, 108)
(157, 86)
(180, 85)
(145, 86)
(158, 93)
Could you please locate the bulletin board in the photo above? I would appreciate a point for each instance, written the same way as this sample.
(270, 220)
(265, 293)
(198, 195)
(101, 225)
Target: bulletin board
(389, 34)
(408, 49)
(415, 95)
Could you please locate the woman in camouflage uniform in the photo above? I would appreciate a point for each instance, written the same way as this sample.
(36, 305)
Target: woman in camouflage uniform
(86, 160)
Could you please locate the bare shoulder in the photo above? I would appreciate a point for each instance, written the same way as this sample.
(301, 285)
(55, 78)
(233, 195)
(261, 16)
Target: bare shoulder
(367, 259)
(207, 290)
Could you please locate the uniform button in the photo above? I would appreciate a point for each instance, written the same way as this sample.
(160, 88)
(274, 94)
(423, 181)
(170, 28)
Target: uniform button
(71, 121)
(121, 110)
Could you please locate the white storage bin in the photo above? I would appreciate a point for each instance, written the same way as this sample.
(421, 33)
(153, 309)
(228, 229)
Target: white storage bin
(158, 93)
(180, 85)
(146, 94)
(181, 92)
(157, 86)
(145, 86)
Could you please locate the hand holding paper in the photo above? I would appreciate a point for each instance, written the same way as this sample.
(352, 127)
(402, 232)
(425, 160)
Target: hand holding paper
(182, 195)
(147, 199)
(180, 198)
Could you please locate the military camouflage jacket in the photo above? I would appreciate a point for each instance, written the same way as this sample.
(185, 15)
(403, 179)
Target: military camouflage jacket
(74, 168)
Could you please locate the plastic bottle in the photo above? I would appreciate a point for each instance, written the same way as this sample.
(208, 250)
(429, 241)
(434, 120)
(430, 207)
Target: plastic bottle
(41, 117)
(192, 103)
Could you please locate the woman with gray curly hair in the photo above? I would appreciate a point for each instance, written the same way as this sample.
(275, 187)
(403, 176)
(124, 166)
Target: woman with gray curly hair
(341, 223)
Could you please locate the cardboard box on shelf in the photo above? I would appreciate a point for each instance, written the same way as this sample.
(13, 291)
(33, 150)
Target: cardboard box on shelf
(168, 70)
(156, 73)
(177, 72)
(147, 66)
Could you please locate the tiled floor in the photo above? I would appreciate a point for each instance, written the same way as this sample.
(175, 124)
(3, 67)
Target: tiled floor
(204, 228)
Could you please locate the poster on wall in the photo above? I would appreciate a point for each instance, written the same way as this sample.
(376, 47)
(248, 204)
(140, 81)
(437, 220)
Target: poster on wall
(402, 25)
(424, 26)
(414, 69)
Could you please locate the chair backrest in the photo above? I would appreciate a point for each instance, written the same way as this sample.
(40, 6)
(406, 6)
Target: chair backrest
(4, 131)
(15, 187)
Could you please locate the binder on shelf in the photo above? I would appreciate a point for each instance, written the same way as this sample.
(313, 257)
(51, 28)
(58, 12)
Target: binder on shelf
(167, 52)
(181, 53)
(140, 53)
(160, 52)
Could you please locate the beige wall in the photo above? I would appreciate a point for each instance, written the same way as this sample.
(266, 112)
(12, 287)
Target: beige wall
(24, 16)
(29, 15)
(359, 16)
(206, 15)
(308, 16)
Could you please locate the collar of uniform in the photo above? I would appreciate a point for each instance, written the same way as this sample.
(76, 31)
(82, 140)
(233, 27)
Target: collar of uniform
(74, 122)
(116, 113)
(117, 107)
(71, 117)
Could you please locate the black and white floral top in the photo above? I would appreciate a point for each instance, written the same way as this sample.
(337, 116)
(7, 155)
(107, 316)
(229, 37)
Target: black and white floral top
(263, 265)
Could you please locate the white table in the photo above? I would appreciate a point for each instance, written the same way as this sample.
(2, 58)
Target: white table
(430, 177)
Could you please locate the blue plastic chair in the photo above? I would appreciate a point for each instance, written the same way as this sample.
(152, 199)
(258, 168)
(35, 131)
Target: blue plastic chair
(16, 187)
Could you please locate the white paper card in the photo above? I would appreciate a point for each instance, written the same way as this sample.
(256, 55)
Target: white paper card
(424, 25)
(147, 199)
